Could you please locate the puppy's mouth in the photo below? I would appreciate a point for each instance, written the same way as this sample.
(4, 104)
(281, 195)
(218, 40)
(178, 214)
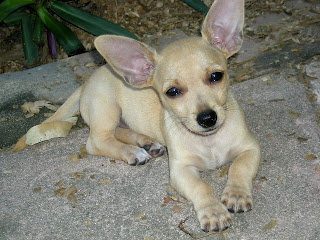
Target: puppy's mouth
(207, 132)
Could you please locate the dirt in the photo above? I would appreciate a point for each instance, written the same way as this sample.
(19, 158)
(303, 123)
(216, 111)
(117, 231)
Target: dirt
(141, 17)
(145, 18)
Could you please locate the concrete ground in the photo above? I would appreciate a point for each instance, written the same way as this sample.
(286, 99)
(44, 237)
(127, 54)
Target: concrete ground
(47, 192)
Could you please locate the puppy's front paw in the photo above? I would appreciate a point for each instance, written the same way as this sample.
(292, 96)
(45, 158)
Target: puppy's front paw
(237, 199)
(154, 149)
(139, 157)
(214, 217)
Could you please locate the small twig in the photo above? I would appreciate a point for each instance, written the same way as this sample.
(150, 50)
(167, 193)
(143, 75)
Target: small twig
(195, 236)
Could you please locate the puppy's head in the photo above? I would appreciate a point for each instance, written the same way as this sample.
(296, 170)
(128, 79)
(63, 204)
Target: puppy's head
(190, 75)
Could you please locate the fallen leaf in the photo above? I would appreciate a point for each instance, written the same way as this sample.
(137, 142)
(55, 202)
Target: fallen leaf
(83, 151)
(70, 190)
(176, 209)
(277, 100)
(75, 158)
(78, 175)
(60, 191)
(37, 189)
(66, 191)
(72, 198)
(262, 179)
(166, 200)
(105, 181)
(34, 107)
(280, 178)
(270, 225)
(317, 168)
(87, 223)
(52, 107)
(311, 156)
(224, 172)
(301, 139)
(139, 215)
(266, 78)
(29, 115)
(59, 184)
(293, 114)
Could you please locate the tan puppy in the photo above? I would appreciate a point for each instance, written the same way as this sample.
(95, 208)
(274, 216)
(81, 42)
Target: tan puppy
(179, 98)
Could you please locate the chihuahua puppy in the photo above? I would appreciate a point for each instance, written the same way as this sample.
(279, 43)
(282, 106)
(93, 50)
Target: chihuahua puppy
(178, 98)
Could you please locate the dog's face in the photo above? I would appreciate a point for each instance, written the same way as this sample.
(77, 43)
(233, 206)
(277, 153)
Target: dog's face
(192, 82)
(189, 75)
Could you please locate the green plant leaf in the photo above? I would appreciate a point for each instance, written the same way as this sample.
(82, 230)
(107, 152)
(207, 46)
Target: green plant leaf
(9, 6)
(65, 37)
(29, 47)
(15, 18)
(38, 31)
(197, 5)
(87, 21)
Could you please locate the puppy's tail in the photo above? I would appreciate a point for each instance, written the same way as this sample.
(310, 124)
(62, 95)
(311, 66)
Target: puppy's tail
(67, 110)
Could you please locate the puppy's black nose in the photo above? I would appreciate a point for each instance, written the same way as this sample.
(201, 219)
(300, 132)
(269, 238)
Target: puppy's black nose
(207, 118)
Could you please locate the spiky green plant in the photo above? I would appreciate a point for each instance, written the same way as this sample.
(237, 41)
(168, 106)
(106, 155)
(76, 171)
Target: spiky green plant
(36, 15)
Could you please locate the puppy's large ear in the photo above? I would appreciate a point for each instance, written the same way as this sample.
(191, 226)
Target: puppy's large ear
(223, 25)
(132, 60)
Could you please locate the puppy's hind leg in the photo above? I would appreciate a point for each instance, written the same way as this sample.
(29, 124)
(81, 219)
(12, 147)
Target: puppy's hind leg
(128, 136)
(104, 119)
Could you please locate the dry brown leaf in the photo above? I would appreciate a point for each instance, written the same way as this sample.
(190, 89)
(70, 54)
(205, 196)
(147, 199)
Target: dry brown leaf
(270, 225)
(60, 191)
(105, 181)
(34, 107)
(60, 183)
(87, 223)
(224, 171)
(280, 178)
(263, 179)
(37, 189)
(29, 115)
(176, 209)
(302, 139)
(317, 167)
(139, 215)
(83, 151)
(72, 198)
(293, 114)
(70, 190)
(311, 156)
(75, 158)
(52, 107)
(78, 175)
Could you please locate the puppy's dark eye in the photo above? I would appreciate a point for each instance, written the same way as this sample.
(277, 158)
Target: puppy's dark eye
(215, 77)
(173, 92)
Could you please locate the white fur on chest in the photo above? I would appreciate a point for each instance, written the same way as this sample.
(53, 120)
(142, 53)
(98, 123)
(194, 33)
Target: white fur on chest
(208, 152)
(214, 150)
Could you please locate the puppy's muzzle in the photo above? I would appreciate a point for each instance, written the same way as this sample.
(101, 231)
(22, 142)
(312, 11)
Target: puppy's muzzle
(207, 119)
